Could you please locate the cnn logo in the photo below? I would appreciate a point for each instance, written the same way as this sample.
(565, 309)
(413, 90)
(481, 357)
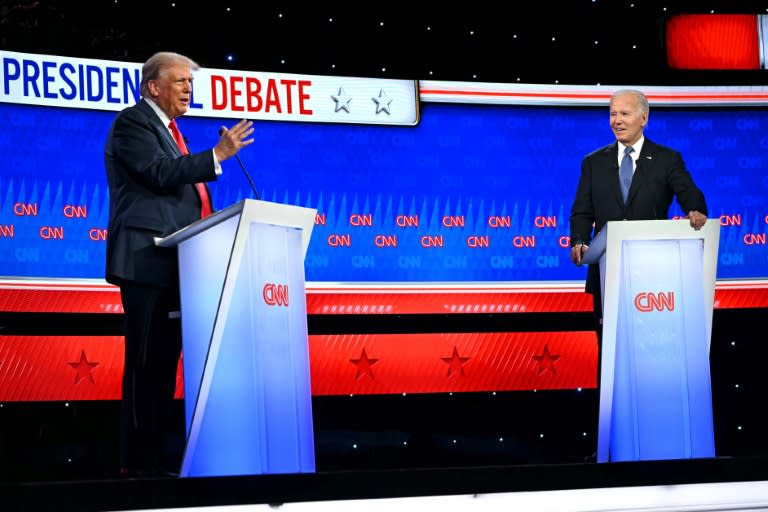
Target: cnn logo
(275, 294)
(648, 301)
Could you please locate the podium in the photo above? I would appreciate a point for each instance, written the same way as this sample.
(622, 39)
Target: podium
(658, 284)
(247, 390)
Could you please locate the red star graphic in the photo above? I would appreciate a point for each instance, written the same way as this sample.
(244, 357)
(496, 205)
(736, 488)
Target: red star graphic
(364, 365)
(455, 362)
(546, 361)
(83, 368)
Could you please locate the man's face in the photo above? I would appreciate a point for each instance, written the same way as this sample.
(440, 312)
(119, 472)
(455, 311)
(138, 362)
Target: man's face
(172, 89)
(627, 122)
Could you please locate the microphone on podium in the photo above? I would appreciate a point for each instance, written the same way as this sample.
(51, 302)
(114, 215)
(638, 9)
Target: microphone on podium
(253, 187)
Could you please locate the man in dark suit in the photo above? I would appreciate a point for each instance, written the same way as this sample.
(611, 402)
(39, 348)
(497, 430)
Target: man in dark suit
(654, 174)
(155, 188)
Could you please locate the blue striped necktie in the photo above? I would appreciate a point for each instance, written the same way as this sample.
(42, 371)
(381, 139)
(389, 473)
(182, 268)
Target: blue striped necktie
(625, 172)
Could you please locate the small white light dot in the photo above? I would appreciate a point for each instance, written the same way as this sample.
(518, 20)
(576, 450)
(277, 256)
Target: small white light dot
(230, 58)
(514, 36)
(282, 61)
(597, 42)
(474, 76)
(501, 439)
(518, 79)
(405, 394)
(354, 446)
(712, 11)
(557, 81)
(454, 441)
(333, 66)
(451, 393)
(739, 427)
(493, 394)
(553, 38)
(541, 436)
(229, 10)
(66, 404)
(430, 74)
(280, 15)
(429, 28)
(382, 70)
(583, 434)
(578, 389)
(173, 4)
(330, 20)
(535, 390)
(631, 5)
(405, 443)
(381, 23)
(471, 32)
(69, 459)
(598, 83)
(733, 343)
(634, 46)
(737, 386)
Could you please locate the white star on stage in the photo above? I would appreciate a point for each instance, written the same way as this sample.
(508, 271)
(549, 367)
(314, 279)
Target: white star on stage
(342, 100)
(382, 102)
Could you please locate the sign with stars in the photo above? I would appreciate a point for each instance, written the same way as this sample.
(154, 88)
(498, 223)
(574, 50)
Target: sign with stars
(71, 82)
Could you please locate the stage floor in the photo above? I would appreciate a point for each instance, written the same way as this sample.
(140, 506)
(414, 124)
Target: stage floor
(690, 485)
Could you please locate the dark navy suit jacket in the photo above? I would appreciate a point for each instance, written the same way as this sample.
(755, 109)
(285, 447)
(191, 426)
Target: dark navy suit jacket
(660, 174)
(152, 194)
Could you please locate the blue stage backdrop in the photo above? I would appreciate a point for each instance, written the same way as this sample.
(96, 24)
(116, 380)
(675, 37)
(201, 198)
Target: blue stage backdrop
(472, 193)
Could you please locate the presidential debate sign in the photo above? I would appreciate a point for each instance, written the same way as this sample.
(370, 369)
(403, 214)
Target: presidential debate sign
(437, 182)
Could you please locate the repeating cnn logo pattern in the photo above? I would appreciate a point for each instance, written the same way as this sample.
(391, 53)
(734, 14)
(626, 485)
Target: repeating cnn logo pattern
(649, 301)
(275, 294)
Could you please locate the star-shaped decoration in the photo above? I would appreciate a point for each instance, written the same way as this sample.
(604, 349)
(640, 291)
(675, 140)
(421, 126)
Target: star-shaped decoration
(83, 368)
(455, 362)
(342, 100)
(546, 361)
(364, 365)
(382, 102)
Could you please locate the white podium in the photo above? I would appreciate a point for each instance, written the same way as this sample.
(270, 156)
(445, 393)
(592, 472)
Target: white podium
(658, 284)
(247, 390)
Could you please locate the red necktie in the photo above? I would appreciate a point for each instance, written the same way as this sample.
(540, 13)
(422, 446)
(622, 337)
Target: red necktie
(202, 190)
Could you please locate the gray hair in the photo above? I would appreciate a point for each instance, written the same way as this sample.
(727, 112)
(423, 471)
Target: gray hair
(157, 63)
(641, 99)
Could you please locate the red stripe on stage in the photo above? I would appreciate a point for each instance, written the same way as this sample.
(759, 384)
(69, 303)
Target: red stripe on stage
(425, 302)
(60, 298)
(63, 368)
(451, 362)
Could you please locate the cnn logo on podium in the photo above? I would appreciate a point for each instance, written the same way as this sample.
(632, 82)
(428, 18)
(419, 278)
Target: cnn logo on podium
(275, 294)
(660, 301)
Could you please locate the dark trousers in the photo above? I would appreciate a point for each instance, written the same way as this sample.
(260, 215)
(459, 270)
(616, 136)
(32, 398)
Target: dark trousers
(597, 313)
(152, 349)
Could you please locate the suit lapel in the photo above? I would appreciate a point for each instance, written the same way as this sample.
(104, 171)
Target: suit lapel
(611, 153)
(643, 162)
(162, 131)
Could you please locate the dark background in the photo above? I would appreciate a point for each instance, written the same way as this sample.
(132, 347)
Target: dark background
(609, 42)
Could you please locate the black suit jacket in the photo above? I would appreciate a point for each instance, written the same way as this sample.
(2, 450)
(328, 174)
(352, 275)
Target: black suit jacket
(151, 194)
(660, 174)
